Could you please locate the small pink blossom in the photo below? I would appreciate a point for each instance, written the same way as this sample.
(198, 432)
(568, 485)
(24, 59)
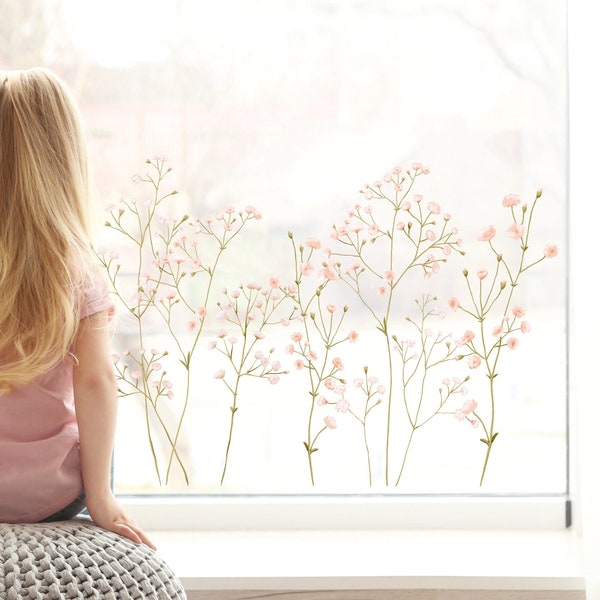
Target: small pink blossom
(516, 231)
(388, 275)
(273, 282)
(474, 361)
(511, 200)
(220, 374)
(306, 268)
(331, 308)
(354, 265)
(329, 273)
(550, 251)
(518, 311)
(381, 291)
(273, 379)
(466, 338)
(468, 407)
(322, 401)
(430, 235)
(512, 343)
(299, 364)
(201, 312)
(482, 274)
(454, 303)
(313, 243)
(497, 330)
(342, 405)
(338, 364)
(330, 422)
(525, 327)
(488, 234)
(353, 337)
(434, 208)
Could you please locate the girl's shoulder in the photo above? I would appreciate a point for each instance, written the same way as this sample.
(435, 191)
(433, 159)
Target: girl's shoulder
(96, 297)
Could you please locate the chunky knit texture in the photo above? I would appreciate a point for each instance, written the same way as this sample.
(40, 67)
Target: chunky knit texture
(76, 559)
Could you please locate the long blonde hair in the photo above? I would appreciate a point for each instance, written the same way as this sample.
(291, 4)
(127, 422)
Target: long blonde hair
(45, 258)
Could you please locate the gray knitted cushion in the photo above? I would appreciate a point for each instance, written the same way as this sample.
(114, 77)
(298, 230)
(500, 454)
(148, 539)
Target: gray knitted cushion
(76, 559)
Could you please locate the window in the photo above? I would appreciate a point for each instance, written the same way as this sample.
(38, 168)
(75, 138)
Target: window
(289, 108)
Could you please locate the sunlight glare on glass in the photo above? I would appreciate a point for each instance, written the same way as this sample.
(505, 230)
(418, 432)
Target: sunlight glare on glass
(122, 33)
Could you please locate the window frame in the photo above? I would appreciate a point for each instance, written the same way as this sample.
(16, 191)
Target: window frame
(394, 511)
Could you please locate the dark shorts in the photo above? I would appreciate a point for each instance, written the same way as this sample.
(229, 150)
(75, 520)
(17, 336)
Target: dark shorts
(69, 511)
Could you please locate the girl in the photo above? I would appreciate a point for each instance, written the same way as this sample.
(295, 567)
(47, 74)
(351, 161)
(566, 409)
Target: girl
(57, 386)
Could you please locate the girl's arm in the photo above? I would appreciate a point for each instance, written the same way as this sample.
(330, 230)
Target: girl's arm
(96, 408)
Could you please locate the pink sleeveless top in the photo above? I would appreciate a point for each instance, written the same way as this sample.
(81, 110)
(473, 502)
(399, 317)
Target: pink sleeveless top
(39, 440)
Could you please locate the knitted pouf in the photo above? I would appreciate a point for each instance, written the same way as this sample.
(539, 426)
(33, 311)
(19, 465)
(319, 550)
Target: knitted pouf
(76, 559)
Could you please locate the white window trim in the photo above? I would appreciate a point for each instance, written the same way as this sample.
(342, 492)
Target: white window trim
(269, 513)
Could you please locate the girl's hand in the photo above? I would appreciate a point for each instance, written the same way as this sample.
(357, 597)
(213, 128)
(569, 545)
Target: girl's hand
(107, 513)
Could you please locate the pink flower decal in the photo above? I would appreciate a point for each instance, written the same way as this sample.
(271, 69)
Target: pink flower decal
(488, 234)
(516, 231)
(468, 336)
(313, 243)
(551, 250)
(474, 361)
(330, 422)
(511, 200)
(467, 408)
(512, 343)
(518, 311)
(329, 273)
(338, 364)
(453, 303)
(306, 268)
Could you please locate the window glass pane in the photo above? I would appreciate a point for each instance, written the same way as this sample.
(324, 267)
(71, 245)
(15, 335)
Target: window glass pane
(295, 112)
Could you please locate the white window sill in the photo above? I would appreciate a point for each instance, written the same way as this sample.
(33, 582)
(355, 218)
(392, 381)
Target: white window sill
(396, 559)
